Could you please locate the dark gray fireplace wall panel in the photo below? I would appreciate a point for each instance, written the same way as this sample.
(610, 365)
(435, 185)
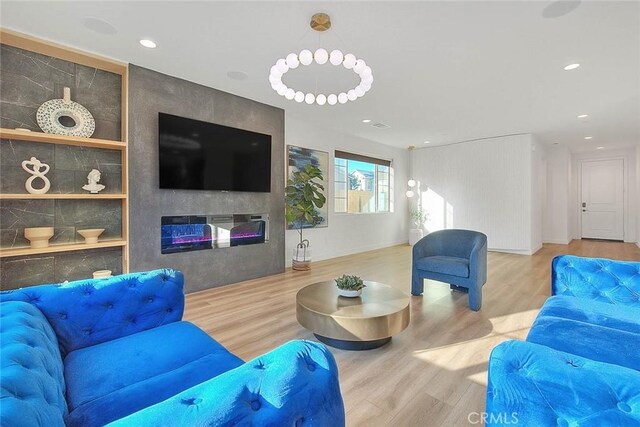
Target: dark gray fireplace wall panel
(150, 93)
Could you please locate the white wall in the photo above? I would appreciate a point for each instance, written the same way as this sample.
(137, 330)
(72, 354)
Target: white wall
(538, 192)
(350, 233)
(631, 196)
(556, 228)
(487, 186)
(638, 195)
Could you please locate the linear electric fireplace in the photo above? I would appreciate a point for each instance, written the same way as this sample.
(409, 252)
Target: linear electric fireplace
(199, 232)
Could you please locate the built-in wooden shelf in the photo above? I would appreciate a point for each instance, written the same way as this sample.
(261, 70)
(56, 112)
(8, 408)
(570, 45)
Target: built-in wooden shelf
(54, 196)
(12, 252)
(49, 138)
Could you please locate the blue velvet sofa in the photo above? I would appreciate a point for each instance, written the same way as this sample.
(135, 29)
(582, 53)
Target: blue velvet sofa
(457, 257)
(580, 364)
(115, 351)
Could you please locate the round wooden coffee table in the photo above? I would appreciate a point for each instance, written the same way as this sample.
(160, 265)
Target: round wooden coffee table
(361, 323)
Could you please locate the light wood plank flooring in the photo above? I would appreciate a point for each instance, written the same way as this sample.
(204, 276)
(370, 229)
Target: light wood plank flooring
(432, 374)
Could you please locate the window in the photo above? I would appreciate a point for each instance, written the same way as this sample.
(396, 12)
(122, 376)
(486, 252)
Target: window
(362, 184)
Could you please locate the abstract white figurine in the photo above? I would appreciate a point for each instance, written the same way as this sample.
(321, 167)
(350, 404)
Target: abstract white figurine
(36, 172)
(93, 178)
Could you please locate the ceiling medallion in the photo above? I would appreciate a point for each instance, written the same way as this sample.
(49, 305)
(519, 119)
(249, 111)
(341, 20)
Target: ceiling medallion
(321, 22)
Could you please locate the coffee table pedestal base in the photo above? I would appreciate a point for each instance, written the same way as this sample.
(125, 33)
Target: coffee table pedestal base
(353, 345)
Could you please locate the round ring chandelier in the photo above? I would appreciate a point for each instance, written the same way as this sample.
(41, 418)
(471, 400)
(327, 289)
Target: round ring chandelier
(321, 22)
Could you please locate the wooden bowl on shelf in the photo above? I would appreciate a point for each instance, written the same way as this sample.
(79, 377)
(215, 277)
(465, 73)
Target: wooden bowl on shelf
(91, 234)
(38, 236)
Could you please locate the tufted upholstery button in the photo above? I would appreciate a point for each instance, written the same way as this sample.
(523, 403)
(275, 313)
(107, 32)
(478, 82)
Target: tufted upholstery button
(624, 407)
(311, 366)
(63, 316)
(191, 401)
(299, 422)
(108, 306)
(149, 300)
(255, 405)
(572, 363)
(260, 365)
(87, 331)
(132, 320)
(561, 422)
(169, 310)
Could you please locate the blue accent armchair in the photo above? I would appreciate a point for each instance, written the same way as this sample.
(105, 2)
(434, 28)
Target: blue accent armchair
(457, 257)
(116, 352)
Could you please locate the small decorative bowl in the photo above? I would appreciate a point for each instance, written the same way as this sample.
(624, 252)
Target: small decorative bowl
(102, 274)
(38, 236)
(91, 234)
(349, 293)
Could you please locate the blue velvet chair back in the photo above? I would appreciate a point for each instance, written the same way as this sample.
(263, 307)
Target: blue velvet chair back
(599, 279)
(109, 308)
(455, 243)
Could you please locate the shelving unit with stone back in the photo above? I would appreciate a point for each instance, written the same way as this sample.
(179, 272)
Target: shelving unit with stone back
(33, 71)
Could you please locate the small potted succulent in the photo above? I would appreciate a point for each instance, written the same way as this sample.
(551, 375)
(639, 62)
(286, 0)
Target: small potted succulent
(350, 286)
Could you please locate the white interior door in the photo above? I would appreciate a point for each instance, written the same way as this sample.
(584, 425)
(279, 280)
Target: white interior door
(602, 199)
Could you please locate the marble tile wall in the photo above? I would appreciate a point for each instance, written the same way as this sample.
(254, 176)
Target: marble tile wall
(18, 272)
(28, 79)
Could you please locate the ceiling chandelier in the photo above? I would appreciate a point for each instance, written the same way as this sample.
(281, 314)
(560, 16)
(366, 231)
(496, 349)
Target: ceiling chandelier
(321, 22)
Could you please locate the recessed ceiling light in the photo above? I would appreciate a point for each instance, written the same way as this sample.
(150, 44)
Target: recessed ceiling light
(560, 8)
(571, 67)
(366, 120)
(588, 137)
(427, 142)
(583, 116)
(148, 43)
(237, 75)
(98, 25)
(599, 148)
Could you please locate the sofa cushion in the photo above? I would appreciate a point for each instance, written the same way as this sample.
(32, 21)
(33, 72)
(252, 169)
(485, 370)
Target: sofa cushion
(445, 265)
(111, 380)
(533, 385)
(31, 372)
(592, 329)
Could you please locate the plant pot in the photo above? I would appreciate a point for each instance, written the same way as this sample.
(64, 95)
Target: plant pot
(301, 259)
(91, 234)
(415, 234)
(349, 293)
(38, 236)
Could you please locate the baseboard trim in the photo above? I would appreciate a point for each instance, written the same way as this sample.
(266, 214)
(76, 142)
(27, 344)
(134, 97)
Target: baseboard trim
(353, 250)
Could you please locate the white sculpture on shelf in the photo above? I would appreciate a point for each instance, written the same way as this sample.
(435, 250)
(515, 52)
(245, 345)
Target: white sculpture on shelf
(37, 169)
(93, 178)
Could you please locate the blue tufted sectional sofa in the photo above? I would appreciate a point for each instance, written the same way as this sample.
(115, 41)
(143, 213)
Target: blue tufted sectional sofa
(580, 364)
(116, 352)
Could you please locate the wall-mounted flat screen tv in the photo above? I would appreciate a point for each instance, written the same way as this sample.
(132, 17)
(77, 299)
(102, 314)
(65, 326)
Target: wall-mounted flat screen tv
(196, 155)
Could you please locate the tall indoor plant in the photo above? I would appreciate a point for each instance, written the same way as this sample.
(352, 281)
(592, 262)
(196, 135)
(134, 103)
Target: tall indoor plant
(303, 197)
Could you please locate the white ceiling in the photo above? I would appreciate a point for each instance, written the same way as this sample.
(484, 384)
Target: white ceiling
(444, 71)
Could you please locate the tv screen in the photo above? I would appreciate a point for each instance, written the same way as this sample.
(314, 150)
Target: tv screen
(196, 155)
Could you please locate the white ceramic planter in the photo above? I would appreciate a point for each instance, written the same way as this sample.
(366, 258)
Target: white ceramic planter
(415, 234)
(349, 293)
